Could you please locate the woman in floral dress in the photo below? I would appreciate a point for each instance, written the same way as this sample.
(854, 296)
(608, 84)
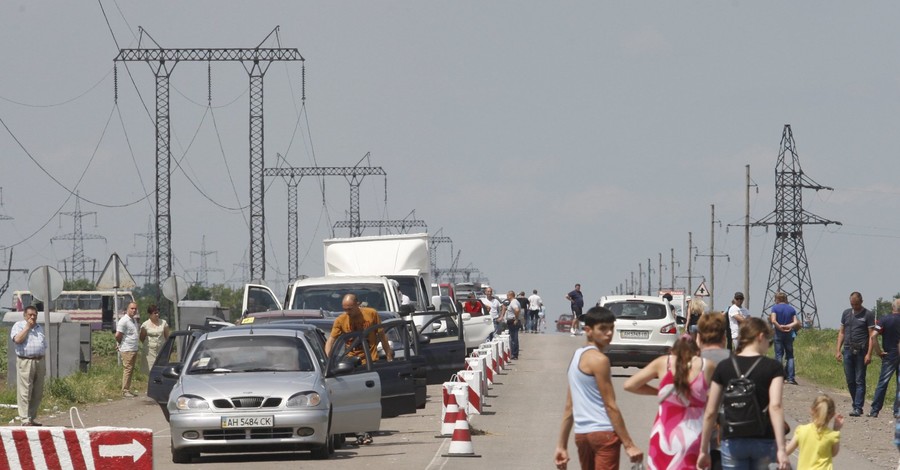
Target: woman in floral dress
(684, 379)
(154, 333)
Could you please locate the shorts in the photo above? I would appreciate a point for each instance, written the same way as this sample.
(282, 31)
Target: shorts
(598, 450)
(577, 312)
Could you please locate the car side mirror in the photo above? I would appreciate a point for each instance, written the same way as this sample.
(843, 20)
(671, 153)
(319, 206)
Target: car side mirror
(466, 316)
(424, 339)
(343, 367)
(430, 308)
(679, 320)
(172, 372)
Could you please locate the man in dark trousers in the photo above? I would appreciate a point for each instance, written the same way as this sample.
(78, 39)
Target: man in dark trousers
(855, 344)
(889, 329)
(576, 298)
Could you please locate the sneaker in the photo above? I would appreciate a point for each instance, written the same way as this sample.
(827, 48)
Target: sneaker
(791, 381)
(128, 394)
(573, 334)
(856, 413)
(872, 414)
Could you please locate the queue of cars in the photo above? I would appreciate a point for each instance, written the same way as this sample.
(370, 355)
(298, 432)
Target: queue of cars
(266, 384)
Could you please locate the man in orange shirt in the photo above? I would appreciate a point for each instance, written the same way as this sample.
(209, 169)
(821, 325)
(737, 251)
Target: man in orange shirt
(356, 318)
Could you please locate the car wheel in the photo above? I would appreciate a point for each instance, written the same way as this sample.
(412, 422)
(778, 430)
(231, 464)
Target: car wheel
(165, 411)
(339, 441)
(183, 456)
(325, 451)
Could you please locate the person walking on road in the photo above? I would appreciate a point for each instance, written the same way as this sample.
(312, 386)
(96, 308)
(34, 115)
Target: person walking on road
(784, 320)
(736, 315)
(750, 451)
(818, 444)
(512, 312)
(154, 332)
(30, 346)
(889, 329)
(127, 336)
(576, 299)
(683, 384)
(855, 344)
(712, 337)
(534, 308)
(591, 406)
(493, 306)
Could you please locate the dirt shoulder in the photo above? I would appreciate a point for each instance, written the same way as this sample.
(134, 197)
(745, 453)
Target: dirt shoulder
(872, 438)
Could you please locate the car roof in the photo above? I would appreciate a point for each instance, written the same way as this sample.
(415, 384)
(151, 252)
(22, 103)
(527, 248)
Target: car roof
(631, 298)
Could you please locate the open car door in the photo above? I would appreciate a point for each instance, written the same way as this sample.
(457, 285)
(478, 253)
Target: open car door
(258, 298)
(444, 345)
(355, 391)
(398, 385)
(171, 354)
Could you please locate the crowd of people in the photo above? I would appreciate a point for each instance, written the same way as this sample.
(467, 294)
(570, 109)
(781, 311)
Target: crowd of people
(719, 395)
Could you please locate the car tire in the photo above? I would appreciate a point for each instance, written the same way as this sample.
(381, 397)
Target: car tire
(324, 451)
(183, 456)
(165, 411)
(339, 441)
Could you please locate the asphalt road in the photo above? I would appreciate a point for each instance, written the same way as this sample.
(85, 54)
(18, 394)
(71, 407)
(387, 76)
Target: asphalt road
(518, 430)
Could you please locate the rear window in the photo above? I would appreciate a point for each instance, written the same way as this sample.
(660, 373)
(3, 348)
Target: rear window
(329, 297)
(637, 310)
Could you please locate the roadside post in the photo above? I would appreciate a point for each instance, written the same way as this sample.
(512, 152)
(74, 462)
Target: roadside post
(47, 283)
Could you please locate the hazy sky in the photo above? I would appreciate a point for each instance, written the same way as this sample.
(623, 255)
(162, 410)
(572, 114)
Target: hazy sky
(554, 142)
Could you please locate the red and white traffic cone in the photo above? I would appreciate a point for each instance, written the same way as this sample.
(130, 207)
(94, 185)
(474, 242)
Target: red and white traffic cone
(461, 444)
(448, 423)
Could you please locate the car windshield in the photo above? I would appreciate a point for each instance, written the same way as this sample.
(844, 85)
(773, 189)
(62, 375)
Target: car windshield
(637, 310)
(251, 353)
(328, 297)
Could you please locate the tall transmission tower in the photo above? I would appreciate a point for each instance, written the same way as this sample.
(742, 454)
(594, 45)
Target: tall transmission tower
(433, 241)
(77, 261)
(256, 62)
(293, 175)
(203, 270)
(790, 269)
(403, 225)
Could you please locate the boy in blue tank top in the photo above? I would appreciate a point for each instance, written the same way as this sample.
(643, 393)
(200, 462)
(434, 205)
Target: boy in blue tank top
(591, 407)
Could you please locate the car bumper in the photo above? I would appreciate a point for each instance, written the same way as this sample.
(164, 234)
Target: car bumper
(628, 355)
(210, 437)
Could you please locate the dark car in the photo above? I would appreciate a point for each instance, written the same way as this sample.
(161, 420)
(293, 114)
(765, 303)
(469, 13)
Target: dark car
(564, 323)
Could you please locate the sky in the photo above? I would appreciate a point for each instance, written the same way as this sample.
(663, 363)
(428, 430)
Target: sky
(554, 142)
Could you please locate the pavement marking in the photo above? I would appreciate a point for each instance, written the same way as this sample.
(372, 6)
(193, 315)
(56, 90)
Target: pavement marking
(437, 455)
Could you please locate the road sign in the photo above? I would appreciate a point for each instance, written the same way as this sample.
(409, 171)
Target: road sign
(702, 291)
(81, 449)
(115, 275)
(38, 283)
(175, 288)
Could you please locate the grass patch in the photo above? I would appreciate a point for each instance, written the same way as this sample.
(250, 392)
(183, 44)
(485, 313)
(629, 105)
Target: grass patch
(102, 382)
(814, 357)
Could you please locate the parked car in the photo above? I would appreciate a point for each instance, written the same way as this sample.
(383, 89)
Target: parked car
(646, 327)
(257, 318)
(564, 323)
(272, 389)
(477, 328)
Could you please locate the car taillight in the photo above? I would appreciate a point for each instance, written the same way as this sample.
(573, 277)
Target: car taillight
(668, 329)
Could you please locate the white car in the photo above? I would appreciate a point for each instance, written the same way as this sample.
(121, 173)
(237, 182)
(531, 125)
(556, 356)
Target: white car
(646, 328)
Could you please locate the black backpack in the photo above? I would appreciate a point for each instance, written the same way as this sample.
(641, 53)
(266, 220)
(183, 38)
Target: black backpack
(742, 416)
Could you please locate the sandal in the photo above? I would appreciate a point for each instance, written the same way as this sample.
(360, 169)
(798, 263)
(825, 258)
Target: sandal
(363, 439)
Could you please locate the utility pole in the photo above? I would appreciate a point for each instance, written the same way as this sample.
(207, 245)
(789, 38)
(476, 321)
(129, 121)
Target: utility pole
(204, 269)
(660, 272)
(712, 255)
(747, 243)
(690, 258)
(673, 269)
(649, 270)
(640, 279)
(631, 286)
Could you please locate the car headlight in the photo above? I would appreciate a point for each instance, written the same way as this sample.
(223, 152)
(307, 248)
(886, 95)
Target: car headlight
(304, 399)
(191, 402)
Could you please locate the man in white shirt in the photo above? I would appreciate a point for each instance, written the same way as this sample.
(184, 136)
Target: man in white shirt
(736, 315)
(534, 307)
(493, 305)
(127, 334)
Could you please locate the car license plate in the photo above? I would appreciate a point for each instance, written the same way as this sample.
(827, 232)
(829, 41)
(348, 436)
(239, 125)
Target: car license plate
(247, 422)
(634, 334)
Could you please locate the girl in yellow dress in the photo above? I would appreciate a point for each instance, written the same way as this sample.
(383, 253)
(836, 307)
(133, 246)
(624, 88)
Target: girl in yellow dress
(818, 444)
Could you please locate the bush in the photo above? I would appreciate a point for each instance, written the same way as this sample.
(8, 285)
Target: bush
(61, 389)
(104, 343)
